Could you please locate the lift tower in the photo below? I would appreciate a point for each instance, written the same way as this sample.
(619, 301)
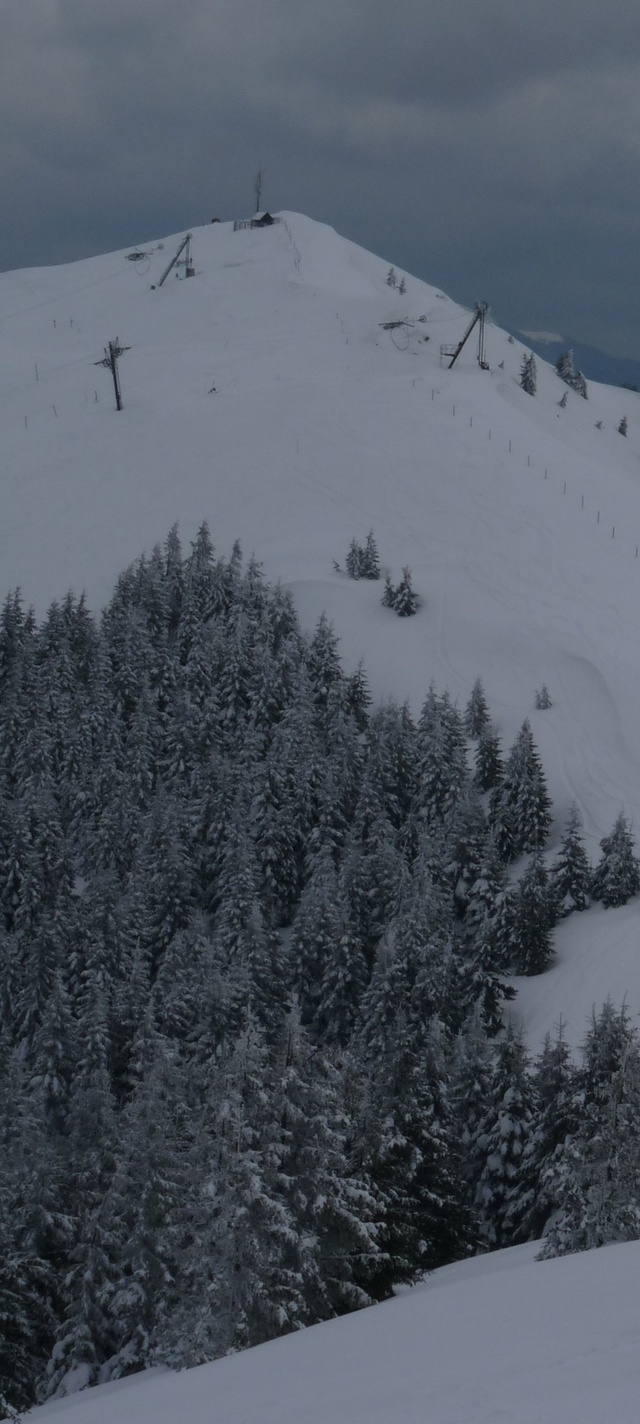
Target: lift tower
(179, 260)
(479, 319)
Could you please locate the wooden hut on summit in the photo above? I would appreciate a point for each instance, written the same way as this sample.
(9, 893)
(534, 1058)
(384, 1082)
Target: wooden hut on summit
(260, 220)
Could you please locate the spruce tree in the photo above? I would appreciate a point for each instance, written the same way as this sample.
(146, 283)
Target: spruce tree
(476, 714)
(337, 1215)
(472, 1070)
(388, 599)
(442, 758)
(405, 601)
(488, 759)
(595, 1175)
(565, 366)
(532, 919)
(567, 373)
(557, 1116)
(413, 1155)
(148, 1204)
(521, 807)
(616, 877)
(353, 561)
(529, 374)
(501, 1139)
(571, 873)
(370, 559)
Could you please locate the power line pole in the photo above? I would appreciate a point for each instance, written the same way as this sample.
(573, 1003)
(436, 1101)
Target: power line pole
(110, 359)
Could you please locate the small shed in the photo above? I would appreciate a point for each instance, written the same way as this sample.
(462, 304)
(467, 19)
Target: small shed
(264, 220)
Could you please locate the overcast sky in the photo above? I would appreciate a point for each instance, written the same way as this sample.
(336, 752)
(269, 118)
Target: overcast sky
(490, 146)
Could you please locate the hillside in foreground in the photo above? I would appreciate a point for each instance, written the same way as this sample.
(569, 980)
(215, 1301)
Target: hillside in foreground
(500, 1337)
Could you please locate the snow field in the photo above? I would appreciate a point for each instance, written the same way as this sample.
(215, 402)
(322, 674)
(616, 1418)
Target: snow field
(501, 1337)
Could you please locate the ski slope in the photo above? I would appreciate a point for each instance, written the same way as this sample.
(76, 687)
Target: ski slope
(498, 1338)
(265, 396)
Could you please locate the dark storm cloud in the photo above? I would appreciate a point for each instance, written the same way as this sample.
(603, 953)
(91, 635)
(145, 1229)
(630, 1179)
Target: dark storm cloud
(492, 145)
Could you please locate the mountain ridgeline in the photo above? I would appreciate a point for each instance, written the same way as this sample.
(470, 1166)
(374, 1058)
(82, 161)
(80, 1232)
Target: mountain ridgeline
(253, 940)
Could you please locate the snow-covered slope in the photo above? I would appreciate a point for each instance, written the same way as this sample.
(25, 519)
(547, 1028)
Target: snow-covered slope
(498, 1338)
(265, 396)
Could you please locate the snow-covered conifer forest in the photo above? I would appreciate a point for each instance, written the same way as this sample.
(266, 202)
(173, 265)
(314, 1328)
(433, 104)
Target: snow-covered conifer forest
(318, 926)
(253, 937)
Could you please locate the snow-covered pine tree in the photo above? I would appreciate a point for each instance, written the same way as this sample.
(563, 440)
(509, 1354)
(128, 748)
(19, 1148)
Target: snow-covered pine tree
(443, 772)
(529, 374)
(25, 1318)
(501, 1139)
(468, 839)
(344, 981)
(412, 1154)
(557, 1116)
(476, 713)
(520, 805)
(315, 933)
(86, 1337)
(242, 1274)
(392, 761)
(571, 873)
(277, 844)
(595, 1175)
(370, 559)
(472, 1072)
(247, 944)
(338, 1216)
(487, 923)
(488, 759)
(358, 697)
(388, 599)
(371, 876)
(353, 561)
(580, 385)
(542, 699)
(406, 601)
(533, 915)
(323, 663)
(565, 366)
(623, 426)
(149, 1203)
(31, 1242)
(616, 877)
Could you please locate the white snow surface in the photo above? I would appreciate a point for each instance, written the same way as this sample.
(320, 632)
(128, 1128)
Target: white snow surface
(498, 1338)
(321, 426)
(520, 521)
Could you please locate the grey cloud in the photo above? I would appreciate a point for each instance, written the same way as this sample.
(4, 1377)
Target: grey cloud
(492, 146)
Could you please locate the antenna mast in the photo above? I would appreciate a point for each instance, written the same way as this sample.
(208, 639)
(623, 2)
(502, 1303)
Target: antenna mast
(257, 186)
